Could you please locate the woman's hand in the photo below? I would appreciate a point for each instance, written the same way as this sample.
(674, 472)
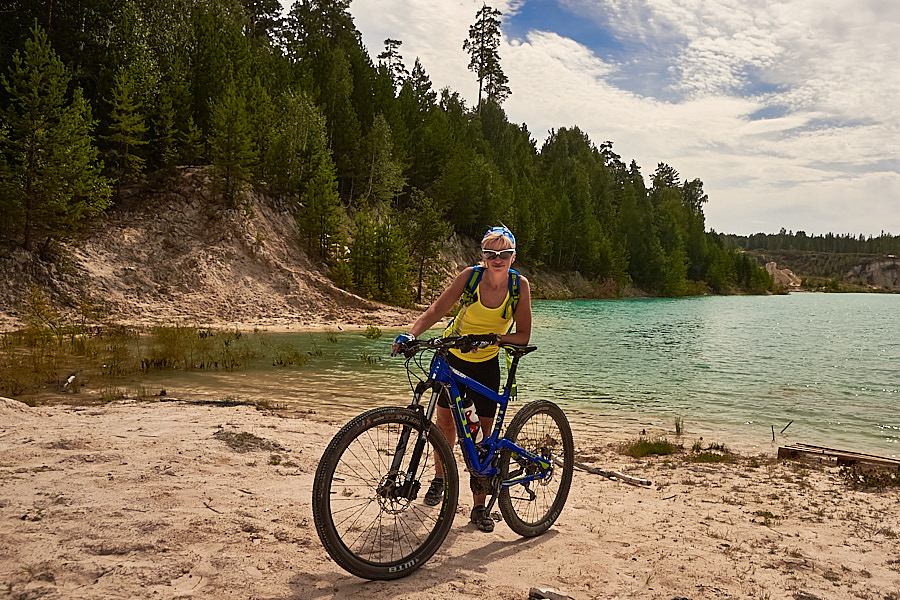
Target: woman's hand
(476, 346)
(401, 340)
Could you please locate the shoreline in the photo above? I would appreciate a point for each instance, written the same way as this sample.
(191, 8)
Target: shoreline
(144, 499)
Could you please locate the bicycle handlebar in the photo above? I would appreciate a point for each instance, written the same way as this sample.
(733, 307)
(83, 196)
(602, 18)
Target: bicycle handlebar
(466, 343)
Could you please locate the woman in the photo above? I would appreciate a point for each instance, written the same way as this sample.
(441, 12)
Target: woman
(489, 314)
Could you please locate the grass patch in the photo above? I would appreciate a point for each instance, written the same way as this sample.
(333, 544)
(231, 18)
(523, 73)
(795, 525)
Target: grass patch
(710, 457)
(246, 442)
(267, 405)
(67, 354)
(372, 332)
(713, 453)
(646, 447)
(869, 479)
(767, 517)
(111, 394)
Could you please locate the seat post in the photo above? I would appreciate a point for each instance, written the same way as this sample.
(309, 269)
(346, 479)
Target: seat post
(512, 372)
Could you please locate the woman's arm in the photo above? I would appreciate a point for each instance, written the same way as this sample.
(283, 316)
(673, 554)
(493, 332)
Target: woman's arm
(440, 307)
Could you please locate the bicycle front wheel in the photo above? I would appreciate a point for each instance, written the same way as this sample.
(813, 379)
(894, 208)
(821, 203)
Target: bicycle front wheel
(367, 513)
(531, 508)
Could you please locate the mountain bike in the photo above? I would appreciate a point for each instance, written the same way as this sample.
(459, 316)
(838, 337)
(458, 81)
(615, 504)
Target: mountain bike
(366, 487)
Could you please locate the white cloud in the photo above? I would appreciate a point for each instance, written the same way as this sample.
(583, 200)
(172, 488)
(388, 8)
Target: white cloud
(699, 73)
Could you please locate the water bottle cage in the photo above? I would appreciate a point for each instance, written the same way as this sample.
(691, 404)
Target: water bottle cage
(473, 422)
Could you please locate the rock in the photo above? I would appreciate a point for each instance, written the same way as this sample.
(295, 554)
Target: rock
(783, 277)
(880, 274)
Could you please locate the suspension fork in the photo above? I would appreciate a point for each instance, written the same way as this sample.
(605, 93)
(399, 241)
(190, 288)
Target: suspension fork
(410, 487)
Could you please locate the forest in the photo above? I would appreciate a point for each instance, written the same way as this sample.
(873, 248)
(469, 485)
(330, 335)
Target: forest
(827, 243)
(377, 166)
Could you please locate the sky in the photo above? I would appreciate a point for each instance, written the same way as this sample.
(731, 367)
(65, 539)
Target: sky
(787, 110)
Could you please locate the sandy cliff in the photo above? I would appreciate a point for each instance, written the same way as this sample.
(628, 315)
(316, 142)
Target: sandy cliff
(171, 254)
(783, 277)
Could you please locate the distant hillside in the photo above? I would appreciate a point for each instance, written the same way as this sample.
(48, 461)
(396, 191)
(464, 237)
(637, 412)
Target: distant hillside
(875, 272)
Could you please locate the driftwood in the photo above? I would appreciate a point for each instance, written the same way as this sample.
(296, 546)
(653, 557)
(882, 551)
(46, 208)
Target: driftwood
(609, 474)
(842, 458)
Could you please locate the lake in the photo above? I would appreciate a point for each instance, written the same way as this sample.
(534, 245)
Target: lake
(821, 369)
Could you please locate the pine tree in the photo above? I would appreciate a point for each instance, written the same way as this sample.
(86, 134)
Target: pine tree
(191, 143)
(52, 180)
(320, 214)
(363, 255)
(127, 130)
(382, 175)
(391, 263)
(426, 232)
(298, 137)
(231, 145)
(482, 45)
(420, 84)
(393, 62)
(165, 133)
(9, 208)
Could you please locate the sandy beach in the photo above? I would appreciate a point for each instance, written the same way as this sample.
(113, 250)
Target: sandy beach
(149, 500)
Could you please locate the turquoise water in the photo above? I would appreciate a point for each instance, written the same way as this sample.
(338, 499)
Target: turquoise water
(743, 364)
(735, 369)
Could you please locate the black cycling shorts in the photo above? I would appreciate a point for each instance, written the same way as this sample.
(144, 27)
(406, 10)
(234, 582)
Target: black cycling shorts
(486, 373)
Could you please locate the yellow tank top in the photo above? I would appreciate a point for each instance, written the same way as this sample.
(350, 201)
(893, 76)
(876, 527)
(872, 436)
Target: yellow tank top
(479, 319)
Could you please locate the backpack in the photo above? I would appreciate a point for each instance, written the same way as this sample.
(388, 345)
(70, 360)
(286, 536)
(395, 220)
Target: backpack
(470, 296)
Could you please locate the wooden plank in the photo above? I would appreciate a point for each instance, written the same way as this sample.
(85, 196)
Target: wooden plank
(841, 457)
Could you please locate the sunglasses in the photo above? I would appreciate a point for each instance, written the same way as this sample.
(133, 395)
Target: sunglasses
(501, 254)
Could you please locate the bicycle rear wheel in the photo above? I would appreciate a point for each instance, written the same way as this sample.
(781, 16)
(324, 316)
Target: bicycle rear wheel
(366, 513)
(531, 508)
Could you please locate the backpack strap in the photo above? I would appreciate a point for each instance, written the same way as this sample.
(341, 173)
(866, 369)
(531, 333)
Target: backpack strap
(468, 297)
(470, 293)
(513, 301)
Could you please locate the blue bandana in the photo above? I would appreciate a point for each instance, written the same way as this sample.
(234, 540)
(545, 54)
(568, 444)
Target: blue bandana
(504, 232)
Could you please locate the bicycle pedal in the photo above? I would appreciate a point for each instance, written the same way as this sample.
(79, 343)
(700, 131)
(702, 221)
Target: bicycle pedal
(547, 594)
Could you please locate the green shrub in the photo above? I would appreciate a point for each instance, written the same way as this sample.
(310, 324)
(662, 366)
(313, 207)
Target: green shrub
(645, 447)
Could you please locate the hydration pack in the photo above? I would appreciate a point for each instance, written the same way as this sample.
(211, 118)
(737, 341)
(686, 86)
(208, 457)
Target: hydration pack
(470, 296)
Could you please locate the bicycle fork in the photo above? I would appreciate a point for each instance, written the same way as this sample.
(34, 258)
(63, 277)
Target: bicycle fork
(405, 484)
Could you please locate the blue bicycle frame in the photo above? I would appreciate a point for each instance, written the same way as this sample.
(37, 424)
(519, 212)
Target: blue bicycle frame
(479, 458)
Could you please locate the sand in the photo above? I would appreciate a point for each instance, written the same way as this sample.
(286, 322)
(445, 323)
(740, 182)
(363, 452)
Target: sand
(144, 500)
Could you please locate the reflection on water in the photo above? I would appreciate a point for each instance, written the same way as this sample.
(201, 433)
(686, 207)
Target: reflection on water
(737, 368)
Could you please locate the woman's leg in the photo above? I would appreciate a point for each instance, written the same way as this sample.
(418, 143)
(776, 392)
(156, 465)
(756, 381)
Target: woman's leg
(448, 428)
(486, 424)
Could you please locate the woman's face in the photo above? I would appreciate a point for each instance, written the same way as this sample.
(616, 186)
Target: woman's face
(499, 255)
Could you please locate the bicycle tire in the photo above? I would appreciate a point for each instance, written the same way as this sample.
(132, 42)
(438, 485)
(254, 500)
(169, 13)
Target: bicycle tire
(376, 535)
(540, 427)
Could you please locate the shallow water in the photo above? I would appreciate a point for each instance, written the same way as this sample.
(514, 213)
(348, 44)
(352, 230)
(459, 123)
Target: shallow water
(737, 369)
